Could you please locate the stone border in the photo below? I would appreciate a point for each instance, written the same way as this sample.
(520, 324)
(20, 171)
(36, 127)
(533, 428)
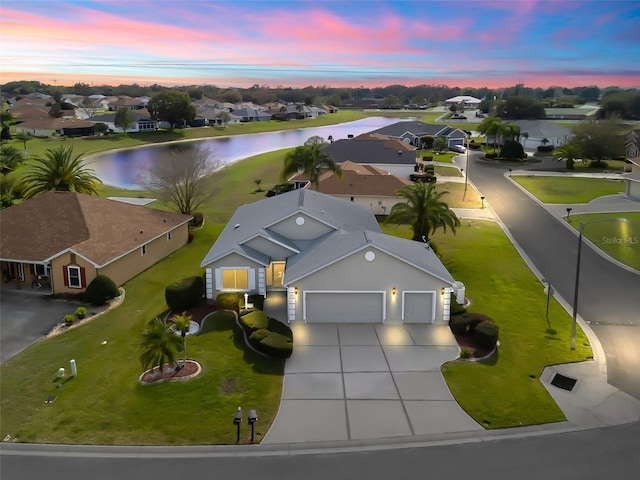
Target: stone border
(62, 327)
(174, 379)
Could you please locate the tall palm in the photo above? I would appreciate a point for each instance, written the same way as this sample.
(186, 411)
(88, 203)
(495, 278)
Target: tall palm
(490, 127)
(311, 160)
(424, 210)
(10, 158)
(569, 152)
(182, 323)
(60, 170)
(509, 131)
(159, 345)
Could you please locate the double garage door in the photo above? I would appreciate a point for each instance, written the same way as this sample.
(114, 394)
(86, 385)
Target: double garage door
(365, 307)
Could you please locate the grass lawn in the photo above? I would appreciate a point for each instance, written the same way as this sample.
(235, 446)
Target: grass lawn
(105, 403)
(568, 189)
(620, 240)
(457, 198)
(448, 171)
(504, 391)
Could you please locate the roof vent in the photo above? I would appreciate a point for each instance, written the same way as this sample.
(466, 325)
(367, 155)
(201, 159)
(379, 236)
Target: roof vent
(237, 225)
(141, 231)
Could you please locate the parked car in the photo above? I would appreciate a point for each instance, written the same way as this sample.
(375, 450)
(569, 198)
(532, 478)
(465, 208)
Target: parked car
(458, 148)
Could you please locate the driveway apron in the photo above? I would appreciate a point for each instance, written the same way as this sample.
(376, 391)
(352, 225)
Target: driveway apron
(367, 381)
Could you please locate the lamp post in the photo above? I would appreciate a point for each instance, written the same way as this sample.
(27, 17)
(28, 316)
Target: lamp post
(577, 282)
(466, 175)
(548, 289)
(482, 198)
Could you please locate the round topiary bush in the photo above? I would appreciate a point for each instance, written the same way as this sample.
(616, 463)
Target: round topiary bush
(512, 149)
(101, 290)
(184, 294)
(485, 335)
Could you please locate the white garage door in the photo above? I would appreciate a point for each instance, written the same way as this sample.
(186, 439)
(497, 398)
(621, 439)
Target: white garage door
(418, 307)
(343, 307)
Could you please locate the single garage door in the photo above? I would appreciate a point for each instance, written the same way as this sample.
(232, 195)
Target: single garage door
(418, 307)
(343, 307)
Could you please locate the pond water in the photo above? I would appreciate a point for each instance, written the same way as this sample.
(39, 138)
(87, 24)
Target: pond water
(123, 168)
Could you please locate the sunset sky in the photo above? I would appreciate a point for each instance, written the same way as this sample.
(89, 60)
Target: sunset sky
(335, 43)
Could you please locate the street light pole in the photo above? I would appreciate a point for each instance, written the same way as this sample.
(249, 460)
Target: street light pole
(466, 174)
(577, 282)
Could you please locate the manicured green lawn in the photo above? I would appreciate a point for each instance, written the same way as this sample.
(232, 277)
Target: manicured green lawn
(448, 171)
(505, 390)
(568, 189)
(105, 404)
(621, 240)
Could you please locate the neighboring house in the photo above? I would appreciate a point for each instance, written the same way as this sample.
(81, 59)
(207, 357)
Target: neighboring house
(251, 115)
(582, 112)
(539, 130)
(412, 131)
(127, 102)
(465, 101)
(391, 154)
(142, 121)
(632, 179)
(331, 261)
(69, 238)
(365, 185)
(55, 127)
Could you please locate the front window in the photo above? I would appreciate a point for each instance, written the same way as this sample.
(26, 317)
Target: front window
(74, 277)
(235, 279)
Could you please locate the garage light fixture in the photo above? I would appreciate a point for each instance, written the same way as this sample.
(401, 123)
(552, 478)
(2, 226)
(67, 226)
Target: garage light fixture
(442, 291)
(393, 291)
(295, 290)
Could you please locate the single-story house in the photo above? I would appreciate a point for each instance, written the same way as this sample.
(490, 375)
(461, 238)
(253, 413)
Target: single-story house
(632, 179)
(539, 130)
(55, 127)
(330, 259)
(65, 239)
(142, 121)
(365, 185)
(466, 101)
(412, 131)
(579, 112)
(391, 154)
(251, 115)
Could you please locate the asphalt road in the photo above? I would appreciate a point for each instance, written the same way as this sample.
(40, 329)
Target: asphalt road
(609, 296)
(608, 453)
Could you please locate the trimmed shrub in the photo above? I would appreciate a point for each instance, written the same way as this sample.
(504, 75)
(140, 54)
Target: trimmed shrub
(491, 156)
(257, 335)
(276, 345)
(512, 149)
(101, 290)
(467, 322)
(277, 326)
(245, 311)
(197, 219)
(545, 148)
(81, 312)
(184, 294)
(485, 335)
(230, 301)
(254, 321)
(456, 308)
(458, 325)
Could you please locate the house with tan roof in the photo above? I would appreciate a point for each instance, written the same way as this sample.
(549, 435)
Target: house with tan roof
(60, 241)
(365, 185)
(56, 127)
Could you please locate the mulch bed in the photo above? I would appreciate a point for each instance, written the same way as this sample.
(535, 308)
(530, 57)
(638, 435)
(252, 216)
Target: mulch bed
(169, 373)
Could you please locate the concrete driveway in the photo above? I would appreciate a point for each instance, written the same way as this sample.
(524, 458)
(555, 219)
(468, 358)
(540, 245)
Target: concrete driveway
(25, 317)
(367, 381)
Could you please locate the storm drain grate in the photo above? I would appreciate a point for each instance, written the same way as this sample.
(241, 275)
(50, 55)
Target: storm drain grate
(565, 383)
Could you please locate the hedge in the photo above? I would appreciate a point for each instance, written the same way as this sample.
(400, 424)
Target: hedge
(184, 294)
(101, 290)
(485, 335)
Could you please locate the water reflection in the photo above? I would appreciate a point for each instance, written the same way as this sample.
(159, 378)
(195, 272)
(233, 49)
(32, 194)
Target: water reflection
(123, 168)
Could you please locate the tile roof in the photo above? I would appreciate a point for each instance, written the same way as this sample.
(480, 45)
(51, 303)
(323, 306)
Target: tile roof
(371, 151)
(98, 229)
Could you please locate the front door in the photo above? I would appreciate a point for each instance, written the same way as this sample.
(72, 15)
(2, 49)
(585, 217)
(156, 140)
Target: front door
(275, 275)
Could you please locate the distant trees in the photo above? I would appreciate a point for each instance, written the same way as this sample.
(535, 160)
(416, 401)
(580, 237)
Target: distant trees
(623, 104)
(599, 140)
(124, 119)
(172, 107)
(179, 175)
(59, 170)
(224, 117)
(520, 108)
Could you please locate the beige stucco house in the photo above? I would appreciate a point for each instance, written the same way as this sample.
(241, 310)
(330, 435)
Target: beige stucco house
(59, 241)
(331, 261)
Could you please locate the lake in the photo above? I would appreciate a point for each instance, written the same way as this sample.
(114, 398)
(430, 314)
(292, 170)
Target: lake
(123, 168)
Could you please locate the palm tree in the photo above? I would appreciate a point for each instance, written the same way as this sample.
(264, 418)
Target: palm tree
(23, 137)
(311, 160)
(159, 345)
(491, 126)
(509, 131)
(59, 171)
(424, 210)
(182, 323)
(569, 152)
(10, 158)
